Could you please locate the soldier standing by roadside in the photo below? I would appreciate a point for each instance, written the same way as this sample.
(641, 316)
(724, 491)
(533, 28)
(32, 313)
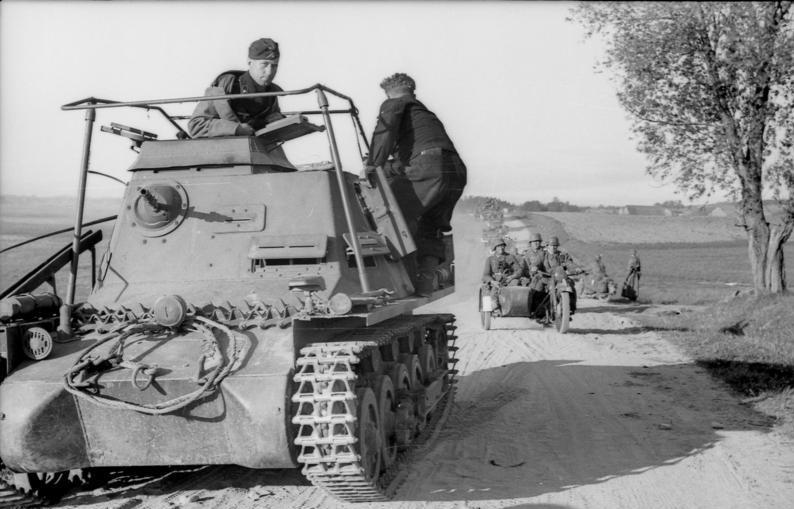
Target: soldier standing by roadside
(425, 172)
(241, 117)
(635, 266)
(631, 287)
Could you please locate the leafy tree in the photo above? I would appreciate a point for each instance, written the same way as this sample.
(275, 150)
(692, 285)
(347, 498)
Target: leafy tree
(710, 87)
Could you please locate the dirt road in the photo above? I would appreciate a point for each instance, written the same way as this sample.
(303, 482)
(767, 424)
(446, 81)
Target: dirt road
(607, 416)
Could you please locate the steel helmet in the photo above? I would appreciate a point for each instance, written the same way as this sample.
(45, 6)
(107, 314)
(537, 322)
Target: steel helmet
(535, 237)
(498, 242)
(554, 241)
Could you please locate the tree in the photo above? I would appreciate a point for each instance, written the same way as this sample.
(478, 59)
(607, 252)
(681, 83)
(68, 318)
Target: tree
(710, 87)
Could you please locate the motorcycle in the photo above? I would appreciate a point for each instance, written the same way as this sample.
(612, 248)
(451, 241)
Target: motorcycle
(501, 300)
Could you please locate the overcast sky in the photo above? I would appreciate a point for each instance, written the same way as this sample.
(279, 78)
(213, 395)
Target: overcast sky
(513, 83)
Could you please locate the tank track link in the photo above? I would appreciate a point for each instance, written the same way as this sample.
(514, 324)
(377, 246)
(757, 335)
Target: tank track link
(333, 381)
(19, 490)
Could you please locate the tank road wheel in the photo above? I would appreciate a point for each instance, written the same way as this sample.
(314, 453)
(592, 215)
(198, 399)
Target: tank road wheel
(368, 432)
(387, 402)
(427, 360)
(562, 315)
(411, 362)
(400, 379)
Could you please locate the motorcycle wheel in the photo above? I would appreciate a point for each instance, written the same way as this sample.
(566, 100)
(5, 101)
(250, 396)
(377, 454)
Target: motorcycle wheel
(562, 315)
(485, 319)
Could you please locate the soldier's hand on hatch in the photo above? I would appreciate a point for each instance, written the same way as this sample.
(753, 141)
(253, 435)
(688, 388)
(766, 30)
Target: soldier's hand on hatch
(244, 130)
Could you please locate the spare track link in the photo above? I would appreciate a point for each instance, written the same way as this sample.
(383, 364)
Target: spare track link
(328, 376)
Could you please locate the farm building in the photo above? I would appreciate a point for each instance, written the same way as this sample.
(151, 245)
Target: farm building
(644, 210)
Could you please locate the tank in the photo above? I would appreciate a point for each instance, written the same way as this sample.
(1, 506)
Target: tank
(247, 311)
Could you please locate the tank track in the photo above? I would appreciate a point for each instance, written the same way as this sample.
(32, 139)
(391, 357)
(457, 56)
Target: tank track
(10, 497)
(333, 378)
(19, 490)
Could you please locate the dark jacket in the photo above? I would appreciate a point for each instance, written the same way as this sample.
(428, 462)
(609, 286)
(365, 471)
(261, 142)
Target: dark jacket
(405, 128)
(500, 267)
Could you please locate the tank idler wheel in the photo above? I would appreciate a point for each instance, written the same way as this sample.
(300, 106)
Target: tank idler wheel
(368, 447)
(387, 404)
(427, 360)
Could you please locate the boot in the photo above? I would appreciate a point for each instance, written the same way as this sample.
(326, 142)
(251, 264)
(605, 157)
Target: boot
(531, 303)
(427, 277)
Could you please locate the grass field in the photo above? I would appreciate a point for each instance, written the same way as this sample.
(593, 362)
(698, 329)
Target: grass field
(689, 264)
(23, 218)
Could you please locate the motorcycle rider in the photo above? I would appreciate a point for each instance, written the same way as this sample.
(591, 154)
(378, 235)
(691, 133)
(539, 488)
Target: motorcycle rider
(532, 271)
(554, 258)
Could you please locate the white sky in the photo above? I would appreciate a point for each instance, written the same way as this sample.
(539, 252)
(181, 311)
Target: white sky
(512, 82)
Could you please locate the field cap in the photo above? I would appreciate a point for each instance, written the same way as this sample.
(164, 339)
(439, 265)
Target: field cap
(263, 49)
(398, 80)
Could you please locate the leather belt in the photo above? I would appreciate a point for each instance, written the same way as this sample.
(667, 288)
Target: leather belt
(430, 151)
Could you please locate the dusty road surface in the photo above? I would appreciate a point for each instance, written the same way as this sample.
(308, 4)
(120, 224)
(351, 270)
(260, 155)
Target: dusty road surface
(607, 416)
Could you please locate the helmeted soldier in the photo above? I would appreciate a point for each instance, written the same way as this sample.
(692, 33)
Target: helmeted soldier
(555, 258)
(501, 268)
(241, 117)
(533, 271)
(533, 258)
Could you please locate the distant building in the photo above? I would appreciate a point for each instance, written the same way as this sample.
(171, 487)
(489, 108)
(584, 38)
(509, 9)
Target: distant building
(644, 210)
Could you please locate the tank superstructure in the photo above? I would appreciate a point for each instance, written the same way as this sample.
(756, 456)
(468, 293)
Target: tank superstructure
(236, 320)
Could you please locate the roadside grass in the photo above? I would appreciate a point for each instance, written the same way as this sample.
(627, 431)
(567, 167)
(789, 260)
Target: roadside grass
(747, 342)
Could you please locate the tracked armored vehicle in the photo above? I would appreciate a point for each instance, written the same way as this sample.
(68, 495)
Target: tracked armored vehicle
(246, 311)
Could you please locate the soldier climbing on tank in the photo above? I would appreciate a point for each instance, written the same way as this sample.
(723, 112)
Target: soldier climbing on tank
(424, 171)
(533, 272)
(241, 117)
(554, 258)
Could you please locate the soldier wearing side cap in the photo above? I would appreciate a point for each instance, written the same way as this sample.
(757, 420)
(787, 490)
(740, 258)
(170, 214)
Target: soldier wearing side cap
(423, 168)
(243, 116)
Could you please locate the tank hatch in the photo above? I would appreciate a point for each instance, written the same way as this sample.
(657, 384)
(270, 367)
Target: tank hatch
(157, 155)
